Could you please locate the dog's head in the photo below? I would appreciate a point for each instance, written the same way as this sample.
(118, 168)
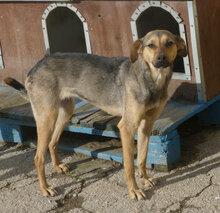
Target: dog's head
(158, 48)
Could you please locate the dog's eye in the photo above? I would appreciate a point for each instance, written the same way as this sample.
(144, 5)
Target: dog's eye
(169, 43)
(151, 46)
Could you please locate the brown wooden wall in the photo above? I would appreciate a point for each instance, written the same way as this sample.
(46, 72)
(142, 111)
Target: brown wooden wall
(209, 32)
(22, 39)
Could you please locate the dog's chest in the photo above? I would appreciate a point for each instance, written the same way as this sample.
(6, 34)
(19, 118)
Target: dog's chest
(156, 97)
(149, 92)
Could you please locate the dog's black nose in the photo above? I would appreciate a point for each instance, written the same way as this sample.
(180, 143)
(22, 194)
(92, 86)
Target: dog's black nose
(161, 58)
(161, 61)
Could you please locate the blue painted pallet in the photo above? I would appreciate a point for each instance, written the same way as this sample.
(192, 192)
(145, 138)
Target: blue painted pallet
(164, 146)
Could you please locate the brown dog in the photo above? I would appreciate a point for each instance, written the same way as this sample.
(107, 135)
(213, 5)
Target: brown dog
(134, 89)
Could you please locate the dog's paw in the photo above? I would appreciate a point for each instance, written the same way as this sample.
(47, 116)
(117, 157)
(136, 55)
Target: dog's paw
(48, 191)
(61, 168)
(138, 194)
(149, 182)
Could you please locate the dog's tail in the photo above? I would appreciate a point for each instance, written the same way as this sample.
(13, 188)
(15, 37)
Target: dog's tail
(18, 86)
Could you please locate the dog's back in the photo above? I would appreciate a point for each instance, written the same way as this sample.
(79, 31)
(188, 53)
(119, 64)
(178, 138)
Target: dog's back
(89, 77)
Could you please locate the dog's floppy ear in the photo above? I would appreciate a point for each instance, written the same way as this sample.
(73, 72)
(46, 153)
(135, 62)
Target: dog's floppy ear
(181, 47)
(135, 50)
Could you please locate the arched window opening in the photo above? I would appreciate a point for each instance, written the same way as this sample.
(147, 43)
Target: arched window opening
(156, 18)
(65, 29)
(154, 15)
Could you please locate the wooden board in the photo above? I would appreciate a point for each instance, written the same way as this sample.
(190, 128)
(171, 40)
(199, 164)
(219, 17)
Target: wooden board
(10, 98)
(97, 120)
(209, 31)
(83, 112)
(21, 38)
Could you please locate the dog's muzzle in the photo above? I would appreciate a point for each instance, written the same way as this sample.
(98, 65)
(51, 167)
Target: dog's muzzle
(161, 61)
(164, 64)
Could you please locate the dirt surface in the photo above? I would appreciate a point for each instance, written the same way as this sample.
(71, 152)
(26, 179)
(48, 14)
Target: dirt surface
(94, 185)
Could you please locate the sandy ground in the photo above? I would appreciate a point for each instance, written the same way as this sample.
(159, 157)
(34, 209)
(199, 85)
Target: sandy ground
(94, 185)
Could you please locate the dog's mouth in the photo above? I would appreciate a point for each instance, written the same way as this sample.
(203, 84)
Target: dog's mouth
(162, 64)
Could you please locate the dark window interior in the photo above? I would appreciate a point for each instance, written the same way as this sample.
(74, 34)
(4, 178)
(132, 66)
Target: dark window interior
(65, 31)
(155, 18)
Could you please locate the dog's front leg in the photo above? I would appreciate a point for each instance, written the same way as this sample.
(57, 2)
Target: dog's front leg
(127, 136)
(144, 132)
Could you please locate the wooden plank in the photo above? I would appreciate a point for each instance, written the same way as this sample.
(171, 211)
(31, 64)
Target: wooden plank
(10, 97)
(112, 124)
(18, 59)
(209, 30)
(22, 112)
(82, 109)
(79, 103)
(172, 113)
(86, 114)
(91, 131)
(100, 120)
(193, 111)
(83, 112)
(97, 120)
(11, 133)
(84, 122)
(102, 155)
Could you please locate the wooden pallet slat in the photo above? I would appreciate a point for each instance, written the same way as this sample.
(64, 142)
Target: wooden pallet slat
(97, 120)
(79, 103)
(83, 112)
(100, 120)
(10, 98)
(111, 125)
(23, 112)
(86, 114)
(85, 122)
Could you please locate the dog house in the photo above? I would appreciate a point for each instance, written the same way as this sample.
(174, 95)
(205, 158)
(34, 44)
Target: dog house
(31, 29)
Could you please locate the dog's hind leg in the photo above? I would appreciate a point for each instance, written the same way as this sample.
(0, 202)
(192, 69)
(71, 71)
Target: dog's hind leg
(64, 114)
(45, 120)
